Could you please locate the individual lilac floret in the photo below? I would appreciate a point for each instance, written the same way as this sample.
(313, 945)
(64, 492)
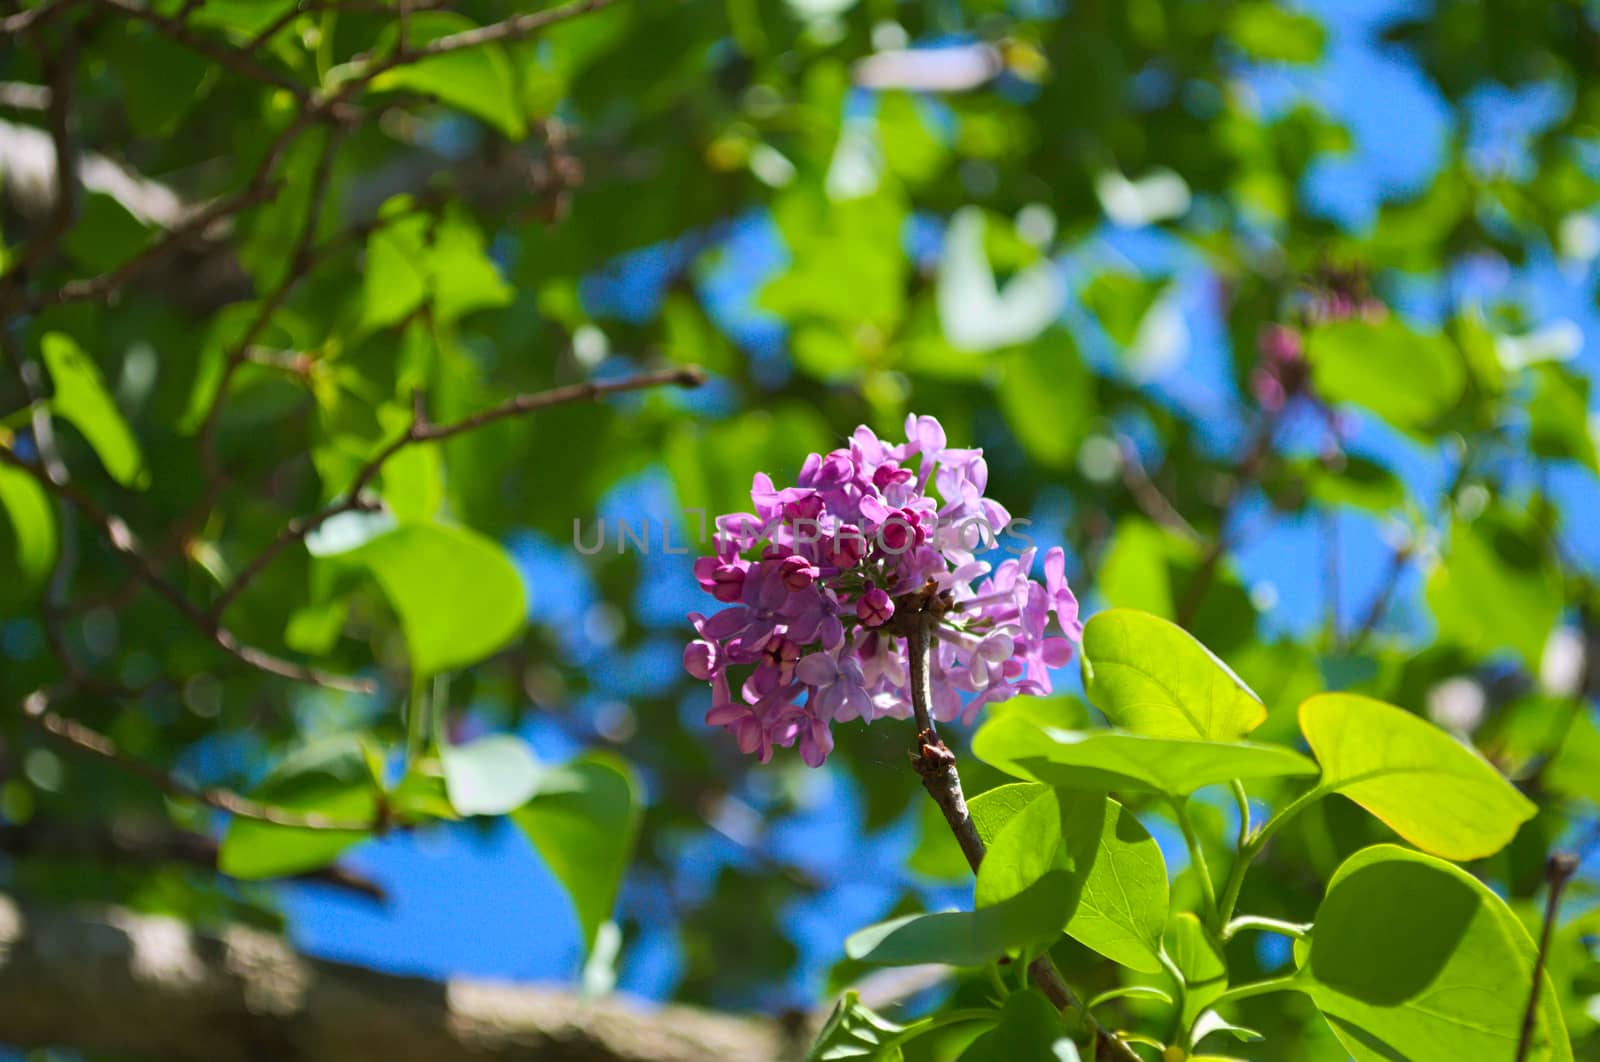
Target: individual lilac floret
(816, 579)
(875, 608)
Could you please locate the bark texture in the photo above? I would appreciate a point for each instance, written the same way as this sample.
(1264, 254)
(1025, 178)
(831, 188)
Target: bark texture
(112, 980)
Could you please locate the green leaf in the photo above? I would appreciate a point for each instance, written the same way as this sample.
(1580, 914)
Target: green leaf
(458, 596)
(583, 822)
(413, 259)
(1198, 956)
(1110, 759)
(1211, 1022)
(1029, 1030)
(1265, 31)
(331, 778)
(1130, 992)
(422, 793)
(1407, 378)
(490, 776)
(992, 809)
(1154, 678)
(854, 1031)
(397, 278)
(1414, 958)
(966, 938)
(1424, 784)
(1120, 300)
(1116, 899)
(1558, 416)
(1495, 588)
(413, 483)
(464, 277)
(478, 80)
(81, 398)
(33, 523)
(1358, 482)
(1048, 397)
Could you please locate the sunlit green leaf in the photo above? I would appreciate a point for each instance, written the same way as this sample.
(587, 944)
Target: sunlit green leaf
(1424, 784)
(965, 938)
(478, 80)
(33, 523)
(1116, 896)
(1495, 588)
(1408, 378)
(82, 399)
(1154, 678)
(1107, 760)
(1414, 958)
(458, 596)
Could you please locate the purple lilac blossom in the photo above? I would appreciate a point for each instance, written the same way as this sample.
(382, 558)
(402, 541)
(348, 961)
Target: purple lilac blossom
(810, 578)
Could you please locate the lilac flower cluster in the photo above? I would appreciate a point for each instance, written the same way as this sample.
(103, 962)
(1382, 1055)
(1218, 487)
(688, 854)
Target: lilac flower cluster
(813, 578)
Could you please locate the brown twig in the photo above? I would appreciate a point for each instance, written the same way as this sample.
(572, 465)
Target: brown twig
(1378, 607)
(36, 709)
(59, 68)
(121, 538)
(936, 766)
(1558, 871)
(1144, 490)
(510, 29)
(258, 189)
(23, 21)
(421, 431)
(301, 262)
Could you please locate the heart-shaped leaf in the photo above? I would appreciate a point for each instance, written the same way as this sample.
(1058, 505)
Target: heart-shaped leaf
(966, 938)
(1117, 893)
(1424, 784)
(1414, 958)
(458, 596)
(1109, 759)
(1152, 677)
(583, 822)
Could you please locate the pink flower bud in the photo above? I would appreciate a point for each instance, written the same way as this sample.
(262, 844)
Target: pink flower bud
(848, 546)
(874, 608)
(797, 572)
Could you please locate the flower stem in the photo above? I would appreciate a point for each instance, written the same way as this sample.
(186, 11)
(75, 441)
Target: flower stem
(1286, 983)
(1297, 930)
(1197, 856)
(1252, 848)
(416, 720)
(936, 765)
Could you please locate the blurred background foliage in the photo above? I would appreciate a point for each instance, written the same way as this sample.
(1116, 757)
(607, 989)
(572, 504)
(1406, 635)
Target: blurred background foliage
(1280, 318)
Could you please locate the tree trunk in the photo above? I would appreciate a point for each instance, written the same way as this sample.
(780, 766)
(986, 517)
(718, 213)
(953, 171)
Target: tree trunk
(112, 980)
